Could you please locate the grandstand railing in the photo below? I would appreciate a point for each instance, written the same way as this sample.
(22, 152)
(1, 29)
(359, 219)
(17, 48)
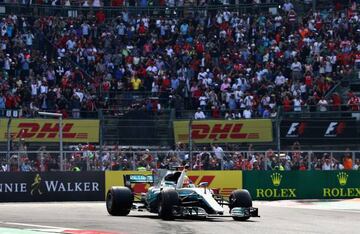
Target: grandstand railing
(88, 160)
(112, 12)
(138, 126)
(310, 111)
(332, 111)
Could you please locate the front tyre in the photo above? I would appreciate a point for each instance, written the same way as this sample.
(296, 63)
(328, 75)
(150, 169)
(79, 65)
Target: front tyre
(119, 201)
(240, 198)
(168, 199)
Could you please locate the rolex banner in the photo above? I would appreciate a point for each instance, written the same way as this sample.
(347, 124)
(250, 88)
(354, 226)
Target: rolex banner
(52, 186)
(285, 185)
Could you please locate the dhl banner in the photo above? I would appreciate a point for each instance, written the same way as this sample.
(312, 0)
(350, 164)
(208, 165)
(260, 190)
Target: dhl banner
(47, 130)
(225, 181)
(224, 131)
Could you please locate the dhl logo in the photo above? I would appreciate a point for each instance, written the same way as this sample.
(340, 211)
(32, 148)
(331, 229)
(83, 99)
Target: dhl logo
(46, 130)
(219, 131)
(209, 179)
(140, 187)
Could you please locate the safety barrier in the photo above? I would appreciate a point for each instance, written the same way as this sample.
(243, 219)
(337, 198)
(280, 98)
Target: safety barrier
(52, 186)
(92, 186)
(277, 185)
(263, 185)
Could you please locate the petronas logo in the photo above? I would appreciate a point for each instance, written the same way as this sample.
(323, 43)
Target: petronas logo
(276, 179)
(35, 186)
(342, 177)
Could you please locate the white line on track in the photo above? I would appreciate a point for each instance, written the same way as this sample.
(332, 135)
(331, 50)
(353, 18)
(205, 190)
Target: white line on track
(35, 227)
(344, 205)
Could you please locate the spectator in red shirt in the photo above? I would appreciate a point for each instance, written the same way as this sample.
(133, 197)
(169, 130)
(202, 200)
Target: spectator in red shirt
(336, 102)
(354, 103)
(287, 104)
(100, 17)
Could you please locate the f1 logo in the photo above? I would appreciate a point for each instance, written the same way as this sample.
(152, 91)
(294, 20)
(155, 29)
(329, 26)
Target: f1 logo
(331, 128)
(334, 129)
(292, 129)
(296, 129)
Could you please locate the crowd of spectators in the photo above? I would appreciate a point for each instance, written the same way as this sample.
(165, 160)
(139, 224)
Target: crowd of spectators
(88, 158)
(225, 64)
(139, 3)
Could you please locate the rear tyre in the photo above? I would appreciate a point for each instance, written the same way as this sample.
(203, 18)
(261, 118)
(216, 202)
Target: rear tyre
(168, 199)
(240, 198)
(119, 201)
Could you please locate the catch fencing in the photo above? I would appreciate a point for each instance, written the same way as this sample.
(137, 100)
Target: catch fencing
(113, 12)
(216, 159)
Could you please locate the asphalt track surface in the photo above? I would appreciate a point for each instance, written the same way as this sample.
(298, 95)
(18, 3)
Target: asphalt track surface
(276, 217)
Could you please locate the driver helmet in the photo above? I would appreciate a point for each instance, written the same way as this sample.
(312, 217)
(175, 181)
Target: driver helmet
(186, 182)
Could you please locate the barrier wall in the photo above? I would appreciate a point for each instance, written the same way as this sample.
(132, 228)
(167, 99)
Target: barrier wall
(263, 185)
(52, 186)
(275, 185)
(92, 186)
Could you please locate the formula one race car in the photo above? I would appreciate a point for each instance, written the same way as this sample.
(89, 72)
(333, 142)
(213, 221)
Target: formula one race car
(173, 195)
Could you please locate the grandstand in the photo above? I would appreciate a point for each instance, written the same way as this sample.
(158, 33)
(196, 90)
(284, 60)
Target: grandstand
(292, 67)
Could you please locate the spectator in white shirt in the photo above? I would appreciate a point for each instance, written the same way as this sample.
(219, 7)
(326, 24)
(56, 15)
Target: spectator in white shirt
(44, 88)
(288, 6)
(96, 3)
(280, 79)
(327, 165)
(199, 114)
(247, 113)
(356, 165)
(202, 101)
(218, 151)
(296, 69)
(323, 104)
(297, 104)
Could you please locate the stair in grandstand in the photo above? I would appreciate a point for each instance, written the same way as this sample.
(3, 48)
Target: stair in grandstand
(346, 85)
(164, 128)
(137, 127)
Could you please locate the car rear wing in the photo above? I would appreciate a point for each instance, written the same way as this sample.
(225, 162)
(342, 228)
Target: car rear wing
(138, 179)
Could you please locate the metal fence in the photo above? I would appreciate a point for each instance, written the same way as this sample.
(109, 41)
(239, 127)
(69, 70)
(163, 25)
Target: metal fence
(94, 160)
(336, 129)
(113, 12)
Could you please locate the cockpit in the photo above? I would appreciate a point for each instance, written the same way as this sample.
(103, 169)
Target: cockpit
(172, 179)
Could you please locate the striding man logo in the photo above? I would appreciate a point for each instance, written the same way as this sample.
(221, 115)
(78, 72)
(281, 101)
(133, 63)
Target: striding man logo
(35, 186)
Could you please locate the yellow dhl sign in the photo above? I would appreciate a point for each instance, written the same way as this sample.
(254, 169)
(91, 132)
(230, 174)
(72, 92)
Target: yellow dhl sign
(225, 181)
(224, 131)
(47, 130)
